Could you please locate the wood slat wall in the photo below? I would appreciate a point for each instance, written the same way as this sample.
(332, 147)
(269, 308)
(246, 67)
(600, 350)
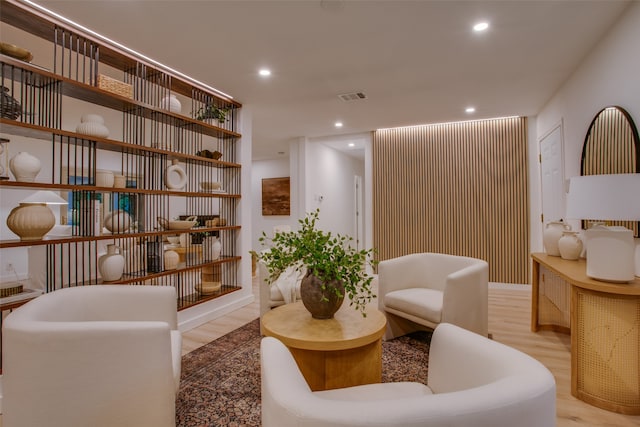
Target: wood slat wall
(458, 188)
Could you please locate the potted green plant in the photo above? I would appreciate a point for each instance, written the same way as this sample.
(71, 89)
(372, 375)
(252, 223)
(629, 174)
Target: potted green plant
(333, 267)
(210, 111)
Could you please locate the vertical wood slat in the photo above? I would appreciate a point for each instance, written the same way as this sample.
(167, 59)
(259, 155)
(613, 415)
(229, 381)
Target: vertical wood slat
(458, 188)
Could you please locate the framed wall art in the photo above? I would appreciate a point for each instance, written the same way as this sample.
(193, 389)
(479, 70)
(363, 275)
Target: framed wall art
(276, 196)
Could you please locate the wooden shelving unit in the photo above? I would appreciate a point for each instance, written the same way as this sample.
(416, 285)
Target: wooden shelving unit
(148, 138)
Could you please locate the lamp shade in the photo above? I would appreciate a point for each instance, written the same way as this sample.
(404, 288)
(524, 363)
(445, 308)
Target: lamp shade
(46, 197)
(613, 197)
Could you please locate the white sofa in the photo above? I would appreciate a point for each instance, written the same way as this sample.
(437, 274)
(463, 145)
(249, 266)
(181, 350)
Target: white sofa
(422, 290)
(472, 382)
(99, 356)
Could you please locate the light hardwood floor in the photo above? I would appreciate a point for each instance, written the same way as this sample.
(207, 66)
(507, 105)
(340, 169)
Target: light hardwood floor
(509, 323)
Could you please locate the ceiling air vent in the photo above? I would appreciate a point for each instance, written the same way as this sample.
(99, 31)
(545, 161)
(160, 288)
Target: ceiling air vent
(354, 96)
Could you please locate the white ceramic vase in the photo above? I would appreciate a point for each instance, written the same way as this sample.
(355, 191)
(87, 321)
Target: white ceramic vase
(104, 178)
(25, 167)
(171, 103)
(171, 259)
(92, 125)
(111, 264)
(117, 221)
(175, 178)
(570, 245)
(552, 234)
(211, 248)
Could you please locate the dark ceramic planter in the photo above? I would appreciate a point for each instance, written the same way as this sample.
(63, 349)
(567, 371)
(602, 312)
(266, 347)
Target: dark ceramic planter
(315, 298)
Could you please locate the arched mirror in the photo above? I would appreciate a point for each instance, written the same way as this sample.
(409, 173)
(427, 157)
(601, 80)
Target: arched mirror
(612, 146)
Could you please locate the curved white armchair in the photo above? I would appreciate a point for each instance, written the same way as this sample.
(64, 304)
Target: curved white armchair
(422, 290)
(472, 381)
(99, 356)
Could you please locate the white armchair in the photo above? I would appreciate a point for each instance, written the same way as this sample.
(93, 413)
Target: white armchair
(472, 381)
(99, 356)
(422, 290)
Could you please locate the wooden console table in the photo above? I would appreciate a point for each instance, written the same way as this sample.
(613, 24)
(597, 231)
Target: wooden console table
(604, 322)
(334, 353)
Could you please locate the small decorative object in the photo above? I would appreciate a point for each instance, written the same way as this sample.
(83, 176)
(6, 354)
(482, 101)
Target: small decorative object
(208, 288)
(211, 248)
(331, 262)
(552, 233)
(33, 219)
(115, 86)
(119, 181)
(171, 103)
(174, 240)
(154, 256)
(4, 159)
(171, 259)
(9, 107)
(117, 221)
(185, 239)
(104, 178)
(213, 113)
(175, 178)
(215, 155)
(210, 185)
(16, 52)
(175, 224)
(111, 264)
(570, 245)
(92, 125)
(25, 167)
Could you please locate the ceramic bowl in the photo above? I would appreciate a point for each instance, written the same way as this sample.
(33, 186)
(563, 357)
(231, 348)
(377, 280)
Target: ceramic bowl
(173, 224)
(174, 240)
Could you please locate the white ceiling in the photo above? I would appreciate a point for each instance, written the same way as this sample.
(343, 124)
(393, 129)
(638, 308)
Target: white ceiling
(417, 61)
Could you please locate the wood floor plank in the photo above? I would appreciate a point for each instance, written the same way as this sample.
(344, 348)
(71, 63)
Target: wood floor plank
(509, 323)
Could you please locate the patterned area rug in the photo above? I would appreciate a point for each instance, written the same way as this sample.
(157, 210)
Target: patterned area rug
(220, 383)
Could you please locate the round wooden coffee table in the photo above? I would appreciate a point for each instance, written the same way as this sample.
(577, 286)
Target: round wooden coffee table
(334, 353)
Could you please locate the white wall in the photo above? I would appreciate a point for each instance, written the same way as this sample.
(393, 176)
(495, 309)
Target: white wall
(607, 76)
(330, 186)
(260, 170)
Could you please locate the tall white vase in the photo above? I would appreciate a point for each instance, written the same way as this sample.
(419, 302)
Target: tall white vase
(211, 248)
(25, 167)
(111, 264)
(552, 234)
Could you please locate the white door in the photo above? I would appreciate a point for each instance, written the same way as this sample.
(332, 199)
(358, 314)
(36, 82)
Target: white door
(552, 173)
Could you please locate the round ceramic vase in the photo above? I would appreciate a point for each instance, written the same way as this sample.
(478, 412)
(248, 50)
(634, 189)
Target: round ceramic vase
(552, 234)
(570, 245)
(111, 264)
(24, 167)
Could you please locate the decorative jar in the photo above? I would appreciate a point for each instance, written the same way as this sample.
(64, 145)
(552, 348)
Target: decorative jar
(117, 221)
(31, 221)
(552, 234)
(25, 167)
(570, 245)
(171, 259)
(111, 264)
(92, 125)
(171, 103)
(175, 178)
(211, 248)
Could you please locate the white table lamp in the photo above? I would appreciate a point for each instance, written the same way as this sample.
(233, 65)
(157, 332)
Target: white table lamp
(611, 251)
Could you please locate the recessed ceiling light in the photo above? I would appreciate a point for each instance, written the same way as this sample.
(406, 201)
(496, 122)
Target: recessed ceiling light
(351, 144)
(338, 124)
(264, 72)
(481, 26)
(470, 110)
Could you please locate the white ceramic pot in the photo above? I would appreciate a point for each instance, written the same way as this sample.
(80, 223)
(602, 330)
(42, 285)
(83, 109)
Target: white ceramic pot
(25, 167)
(171, 103)
(117, 221)
(175, 178)
(185, 240)
(92, 125)
(211, 248)
(31, 221)
(171, 259)
(111, 264)
(570, 245)
(104, 178)
(552, 234)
